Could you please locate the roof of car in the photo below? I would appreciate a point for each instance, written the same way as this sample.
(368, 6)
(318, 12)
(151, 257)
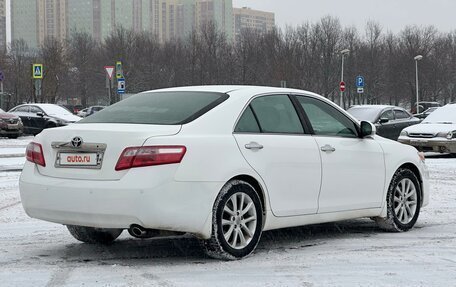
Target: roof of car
(378, 107)
(229, 89)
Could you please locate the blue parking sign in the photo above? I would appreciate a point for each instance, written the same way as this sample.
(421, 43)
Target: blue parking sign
(360, 82)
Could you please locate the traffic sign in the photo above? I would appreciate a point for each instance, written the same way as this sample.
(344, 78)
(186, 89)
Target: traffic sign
(110, 71)
(119, 70)
(342, 86)
(360, 90)
(121, 86)
(37, 71)
(360, 82)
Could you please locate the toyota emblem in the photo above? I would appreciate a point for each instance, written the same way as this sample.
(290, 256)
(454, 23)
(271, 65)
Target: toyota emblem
(76, 142)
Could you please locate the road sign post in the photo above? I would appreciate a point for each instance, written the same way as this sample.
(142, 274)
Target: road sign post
(121, 86)
(360, 86)
(342, 86)
(37, 75)
(109, 73)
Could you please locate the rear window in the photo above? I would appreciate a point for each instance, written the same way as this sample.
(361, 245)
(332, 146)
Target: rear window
(159, 108)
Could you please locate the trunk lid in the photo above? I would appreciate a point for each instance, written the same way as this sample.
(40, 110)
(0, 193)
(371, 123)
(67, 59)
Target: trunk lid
(100, 144)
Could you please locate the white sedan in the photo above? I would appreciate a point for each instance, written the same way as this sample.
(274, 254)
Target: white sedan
(224, 163)
(436, 133)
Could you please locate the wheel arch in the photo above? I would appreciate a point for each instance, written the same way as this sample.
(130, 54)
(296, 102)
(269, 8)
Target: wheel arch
(416, 171)
(258, 189)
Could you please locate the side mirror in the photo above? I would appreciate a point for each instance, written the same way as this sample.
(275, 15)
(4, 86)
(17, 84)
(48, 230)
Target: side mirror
(367, 129)
(383, 120)
(40, 114)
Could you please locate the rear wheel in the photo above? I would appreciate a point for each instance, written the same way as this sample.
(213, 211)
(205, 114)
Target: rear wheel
(403, 202)
(94, 235)
(237, 222)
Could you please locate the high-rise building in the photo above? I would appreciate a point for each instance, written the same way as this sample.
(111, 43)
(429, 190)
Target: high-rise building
(246, 18)
(219, 12)
(2, 24)
(34, 20)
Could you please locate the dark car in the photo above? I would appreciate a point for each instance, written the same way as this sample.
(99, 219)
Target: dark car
(10, 125)
(389, 120)
(426, 113)
(423, 106)
(37, 117)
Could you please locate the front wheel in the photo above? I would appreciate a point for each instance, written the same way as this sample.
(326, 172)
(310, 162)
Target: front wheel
(403, 202)
(237, 222)
(94, 235)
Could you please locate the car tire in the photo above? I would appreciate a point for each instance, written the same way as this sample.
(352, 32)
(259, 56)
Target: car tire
(94, 235)
(403, 202)
(237, 222)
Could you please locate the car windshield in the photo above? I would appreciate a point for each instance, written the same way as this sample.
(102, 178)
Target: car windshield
(160, 108)
(369, 114)
(443, 115)
(54, 110)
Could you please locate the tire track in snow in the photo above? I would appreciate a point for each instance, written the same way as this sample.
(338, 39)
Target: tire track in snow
(9, 205)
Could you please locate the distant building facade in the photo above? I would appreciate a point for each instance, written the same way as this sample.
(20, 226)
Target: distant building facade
(246, 18)
(2, 24)
(34, 20)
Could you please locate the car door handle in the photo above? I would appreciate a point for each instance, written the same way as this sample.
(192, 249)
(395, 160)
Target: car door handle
(328, 148)
(253, 145)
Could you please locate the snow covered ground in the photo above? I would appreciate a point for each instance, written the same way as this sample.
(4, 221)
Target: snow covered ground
(349, 253)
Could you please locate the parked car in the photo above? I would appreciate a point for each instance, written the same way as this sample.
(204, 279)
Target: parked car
(10, 125)
(82, 113)
(224, 163)
(423, 106)
(93, 109)
(436, 133)
(426, 113)
(389, 120)
(73, 108)
(36, 117)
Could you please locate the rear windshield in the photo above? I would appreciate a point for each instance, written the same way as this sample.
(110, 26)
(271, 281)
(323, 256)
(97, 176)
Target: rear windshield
(159, 108)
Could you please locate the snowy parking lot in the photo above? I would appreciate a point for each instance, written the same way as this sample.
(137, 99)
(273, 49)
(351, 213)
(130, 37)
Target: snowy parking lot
(349, 253)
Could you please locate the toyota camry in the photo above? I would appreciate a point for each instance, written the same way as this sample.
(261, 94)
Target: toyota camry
(223, 163)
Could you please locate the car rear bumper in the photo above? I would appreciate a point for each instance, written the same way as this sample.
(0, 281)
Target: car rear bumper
(154, 203)
(440, 145)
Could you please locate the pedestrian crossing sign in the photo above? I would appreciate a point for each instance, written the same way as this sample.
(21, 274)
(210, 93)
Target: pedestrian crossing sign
(37, 71)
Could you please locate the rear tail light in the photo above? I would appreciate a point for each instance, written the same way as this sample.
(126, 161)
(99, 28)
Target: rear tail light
(34, 153)
(150, 155)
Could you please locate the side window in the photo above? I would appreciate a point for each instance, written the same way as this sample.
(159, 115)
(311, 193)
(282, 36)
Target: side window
(387, 115)
(35, 110)
(247, 123)
(276, 114)
(326, 120)
(24, 109)
(401, 114)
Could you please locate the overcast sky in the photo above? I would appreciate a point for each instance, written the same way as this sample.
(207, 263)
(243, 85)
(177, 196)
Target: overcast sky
(391, 14)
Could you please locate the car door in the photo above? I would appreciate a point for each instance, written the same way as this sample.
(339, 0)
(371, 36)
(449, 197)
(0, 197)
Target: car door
(386, 129)
(37, 121)
(271, 137)
(353, 169)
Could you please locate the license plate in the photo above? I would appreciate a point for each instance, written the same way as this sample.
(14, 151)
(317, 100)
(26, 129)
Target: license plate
(13, 126)
(78, 159)
(418, 142)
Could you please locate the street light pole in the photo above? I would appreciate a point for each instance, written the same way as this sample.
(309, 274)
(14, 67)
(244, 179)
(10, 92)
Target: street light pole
(343, 53)
(417, 58)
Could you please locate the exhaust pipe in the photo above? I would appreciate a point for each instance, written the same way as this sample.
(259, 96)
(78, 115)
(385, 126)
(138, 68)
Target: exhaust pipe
(141, 232)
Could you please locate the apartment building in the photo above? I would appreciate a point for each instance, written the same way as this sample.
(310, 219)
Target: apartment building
(246, 18)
